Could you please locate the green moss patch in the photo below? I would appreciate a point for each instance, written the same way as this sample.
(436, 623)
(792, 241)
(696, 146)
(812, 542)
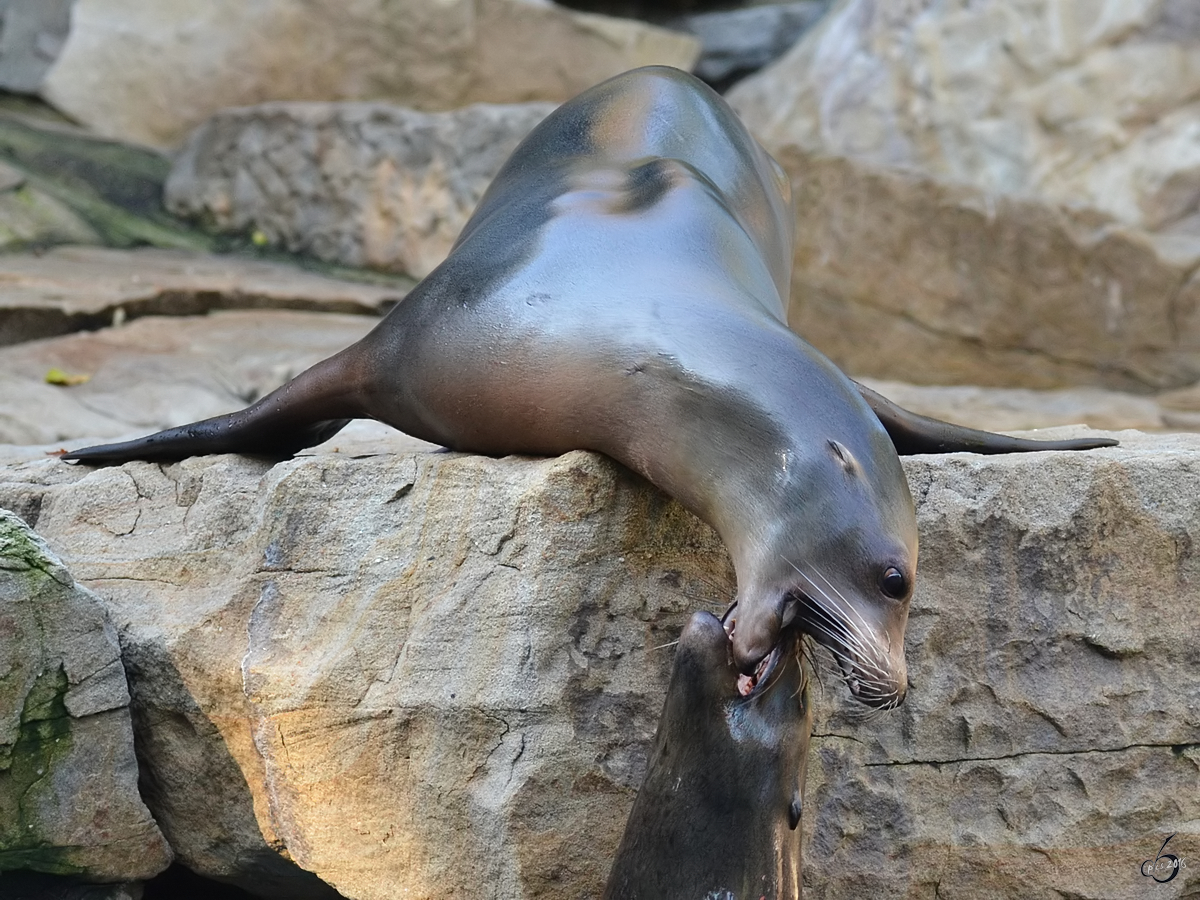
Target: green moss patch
(26, 784)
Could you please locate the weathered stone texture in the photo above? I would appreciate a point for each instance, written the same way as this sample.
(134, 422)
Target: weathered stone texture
(441, 673)
(415, 673)
(1050, 741)
(1071, 100)
(69, 802)
(158, 372)
(432, 54)
(1003, 197)
(363, 184)
(82, 288)
(32, 33)
(902, 276)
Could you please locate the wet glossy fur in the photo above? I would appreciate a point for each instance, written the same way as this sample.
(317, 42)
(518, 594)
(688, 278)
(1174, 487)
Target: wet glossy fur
(717, 814)
(622, 288)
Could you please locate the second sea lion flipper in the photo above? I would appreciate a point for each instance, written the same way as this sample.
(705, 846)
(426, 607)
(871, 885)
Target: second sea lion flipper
(304, 412)
(912, 433)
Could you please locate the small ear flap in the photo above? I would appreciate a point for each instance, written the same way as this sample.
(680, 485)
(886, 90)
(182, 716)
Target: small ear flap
(795, 811)
(844, 456)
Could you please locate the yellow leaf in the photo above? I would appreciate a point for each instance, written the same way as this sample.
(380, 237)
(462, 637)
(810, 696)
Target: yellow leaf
(62, 379)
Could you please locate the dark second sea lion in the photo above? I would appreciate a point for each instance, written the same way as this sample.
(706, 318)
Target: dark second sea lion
(716, 817)
(621, 288)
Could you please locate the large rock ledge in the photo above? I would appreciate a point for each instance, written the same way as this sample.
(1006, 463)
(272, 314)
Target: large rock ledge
(438, 675)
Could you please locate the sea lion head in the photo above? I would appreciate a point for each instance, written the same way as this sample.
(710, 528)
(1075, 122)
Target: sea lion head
(839, 564)
(718, 811)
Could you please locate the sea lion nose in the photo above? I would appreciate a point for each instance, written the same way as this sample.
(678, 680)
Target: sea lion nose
(753, 638)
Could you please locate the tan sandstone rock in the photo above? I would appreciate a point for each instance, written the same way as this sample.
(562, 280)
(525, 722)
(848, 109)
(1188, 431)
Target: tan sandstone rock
(160, 371)
(362, 184)
(403, 711)
(76, 288)
(1003, 195)
(439, 674)
(152, 72)
(69, 802)
(1049, 743)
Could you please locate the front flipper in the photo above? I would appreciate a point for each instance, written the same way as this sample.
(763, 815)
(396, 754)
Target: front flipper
(911, 433)
(304, 412)
(219, 435)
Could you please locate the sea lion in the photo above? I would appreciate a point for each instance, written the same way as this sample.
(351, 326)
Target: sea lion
(717, 813)
(621, 288)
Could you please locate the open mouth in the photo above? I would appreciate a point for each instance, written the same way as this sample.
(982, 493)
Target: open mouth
(747, 685)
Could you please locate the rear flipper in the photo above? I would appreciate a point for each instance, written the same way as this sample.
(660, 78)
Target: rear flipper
(304, 412)
(912, 433)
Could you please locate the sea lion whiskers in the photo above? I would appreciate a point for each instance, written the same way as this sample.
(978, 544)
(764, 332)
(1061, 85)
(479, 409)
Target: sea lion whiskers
(853, 634)
(831, 593)
(714, 585)
(821, 664)
(800, 657)
(861, 671)
(861, 714)
(663, 646)
(827, 624)
(838, 624)
(818, 663)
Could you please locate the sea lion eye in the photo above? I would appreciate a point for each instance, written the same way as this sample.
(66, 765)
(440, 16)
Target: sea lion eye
(894, 584)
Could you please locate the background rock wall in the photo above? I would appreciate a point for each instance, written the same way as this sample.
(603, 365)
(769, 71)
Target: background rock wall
(1006, 193)
(151, 72)
(899, 275)
(360, 184)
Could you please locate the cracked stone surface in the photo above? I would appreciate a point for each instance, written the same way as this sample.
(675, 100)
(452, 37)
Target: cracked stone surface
(78, 288)
(424, 674)
(1003, 199)
(69, 802)
(362, 184)
(1051, 739)
(158, 372)
(440, 674)
(430, 55)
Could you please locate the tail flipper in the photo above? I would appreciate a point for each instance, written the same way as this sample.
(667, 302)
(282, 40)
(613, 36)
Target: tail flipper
(911, 433)
(310, 409)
